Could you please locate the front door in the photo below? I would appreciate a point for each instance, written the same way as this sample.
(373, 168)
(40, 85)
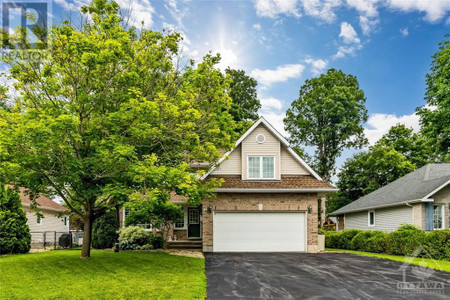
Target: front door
(193, 222)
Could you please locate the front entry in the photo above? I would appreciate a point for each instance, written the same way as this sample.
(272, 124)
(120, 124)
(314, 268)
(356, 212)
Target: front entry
(193, 219)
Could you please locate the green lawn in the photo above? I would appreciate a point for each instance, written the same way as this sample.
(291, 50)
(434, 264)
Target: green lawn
(106, 275)
(423, 262)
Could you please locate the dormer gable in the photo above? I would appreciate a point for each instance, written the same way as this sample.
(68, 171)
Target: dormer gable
(264, 145)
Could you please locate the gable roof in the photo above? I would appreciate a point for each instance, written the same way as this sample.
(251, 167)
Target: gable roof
(272, 130)
(42, 201)
(416, 186)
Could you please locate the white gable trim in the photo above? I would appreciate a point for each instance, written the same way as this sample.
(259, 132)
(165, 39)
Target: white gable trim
(435, 191)
(274, 132)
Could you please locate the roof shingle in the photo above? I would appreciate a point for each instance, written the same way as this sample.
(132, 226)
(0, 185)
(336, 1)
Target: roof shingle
(43, 201)
(411, 187)
(286, 182)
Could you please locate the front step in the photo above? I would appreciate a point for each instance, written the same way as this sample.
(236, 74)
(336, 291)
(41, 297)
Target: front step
(185, 244)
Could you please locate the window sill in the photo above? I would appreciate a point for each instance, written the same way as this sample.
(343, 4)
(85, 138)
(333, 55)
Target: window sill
(180, 229)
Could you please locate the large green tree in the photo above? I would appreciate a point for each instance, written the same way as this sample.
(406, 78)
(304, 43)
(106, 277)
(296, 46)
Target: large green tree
(245, 104)
(328, 115)
(367, 171)
(434, 116)
(413, 146)
(106, 113)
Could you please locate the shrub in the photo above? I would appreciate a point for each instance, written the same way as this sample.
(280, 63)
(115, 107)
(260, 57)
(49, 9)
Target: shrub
(404, 241)
(156, 241)
(405, 226)
(145, 247)
(15, 234)
(104, 231)
(346, 238)
(377, 243)
(133, 236)
(437, 244)
(332, 239)
(359, 241)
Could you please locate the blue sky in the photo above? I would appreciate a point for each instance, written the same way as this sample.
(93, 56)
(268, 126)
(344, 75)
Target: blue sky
(387, 44)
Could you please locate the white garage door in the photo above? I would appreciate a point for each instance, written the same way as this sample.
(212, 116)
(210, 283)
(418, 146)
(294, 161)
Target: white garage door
(259, 231)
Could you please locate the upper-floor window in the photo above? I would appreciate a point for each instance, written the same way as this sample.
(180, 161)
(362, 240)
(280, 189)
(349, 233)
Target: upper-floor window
(261, 167)
(38, 220)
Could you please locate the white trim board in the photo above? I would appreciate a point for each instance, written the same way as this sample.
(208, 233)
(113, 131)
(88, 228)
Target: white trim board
(272, 130)
(435, 191)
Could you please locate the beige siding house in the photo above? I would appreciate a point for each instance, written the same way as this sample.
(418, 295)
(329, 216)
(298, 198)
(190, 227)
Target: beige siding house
(421, 198)
(267, 203)
(50, 222)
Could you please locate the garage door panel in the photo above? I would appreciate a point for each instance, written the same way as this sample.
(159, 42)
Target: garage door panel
(259, 231)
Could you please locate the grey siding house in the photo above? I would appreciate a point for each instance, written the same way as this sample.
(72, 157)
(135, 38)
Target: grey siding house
(421, 198)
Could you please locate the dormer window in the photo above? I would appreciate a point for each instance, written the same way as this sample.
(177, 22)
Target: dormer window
(261, 167)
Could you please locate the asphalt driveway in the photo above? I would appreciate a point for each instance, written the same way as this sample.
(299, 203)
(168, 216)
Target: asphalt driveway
(318, 276)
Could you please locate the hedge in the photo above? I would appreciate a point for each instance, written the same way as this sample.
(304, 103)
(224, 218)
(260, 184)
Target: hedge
(407, 240)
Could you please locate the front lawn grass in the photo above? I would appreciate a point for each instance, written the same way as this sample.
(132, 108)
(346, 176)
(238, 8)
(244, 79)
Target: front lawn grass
(106, 275)
(440, 265)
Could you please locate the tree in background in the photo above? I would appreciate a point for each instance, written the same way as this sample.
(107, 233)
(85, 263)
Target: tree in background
(328, 115)
(434, 116)
(106, 113)
(367, 171)
(104, 230)
(245, 104)
(412, 145)
(15, 235)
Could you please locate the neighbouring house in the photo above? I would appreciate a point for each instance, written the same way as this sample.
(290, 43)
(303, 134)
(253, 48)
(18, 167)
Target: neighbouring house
(48, 226)
(267, 203)
(421, 198)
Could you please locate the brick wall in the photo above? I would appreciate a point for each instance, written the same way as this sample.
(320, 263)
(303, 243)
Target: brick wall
(270, 202)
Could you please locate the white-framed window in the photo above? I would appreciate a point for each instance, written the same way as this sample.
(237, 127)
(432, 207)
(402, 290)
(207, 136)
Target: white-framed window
(38, 220)
(438, 216)
(261, 167)
(181, 224)
(194, 216)
(371, 218)
(146, 226)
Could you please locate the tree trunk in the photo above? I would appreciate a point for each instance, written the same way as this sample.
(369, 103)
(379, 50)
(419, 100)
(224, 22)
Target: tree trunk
(87, 237)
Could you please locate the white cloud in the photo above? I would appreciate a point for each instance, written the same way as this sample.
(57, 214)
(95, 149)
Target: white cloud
(272, 8)
(227, 58)
(176, 13)
(366, 7)
(379, 124)
(348, 34)
(257, 26)
(280, 74)
(434, 10)
(404, 31)
(269, 103)
(321, 9)
(317, 65)
(344, 50)
(368, 24)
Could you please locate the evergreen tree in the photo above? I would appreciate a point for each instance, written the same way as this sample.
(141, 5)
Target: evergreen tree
(15, 234)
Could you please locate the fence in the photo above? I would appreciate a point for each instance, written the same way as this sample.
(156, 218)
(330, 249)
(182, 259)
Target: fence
(55, 239)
